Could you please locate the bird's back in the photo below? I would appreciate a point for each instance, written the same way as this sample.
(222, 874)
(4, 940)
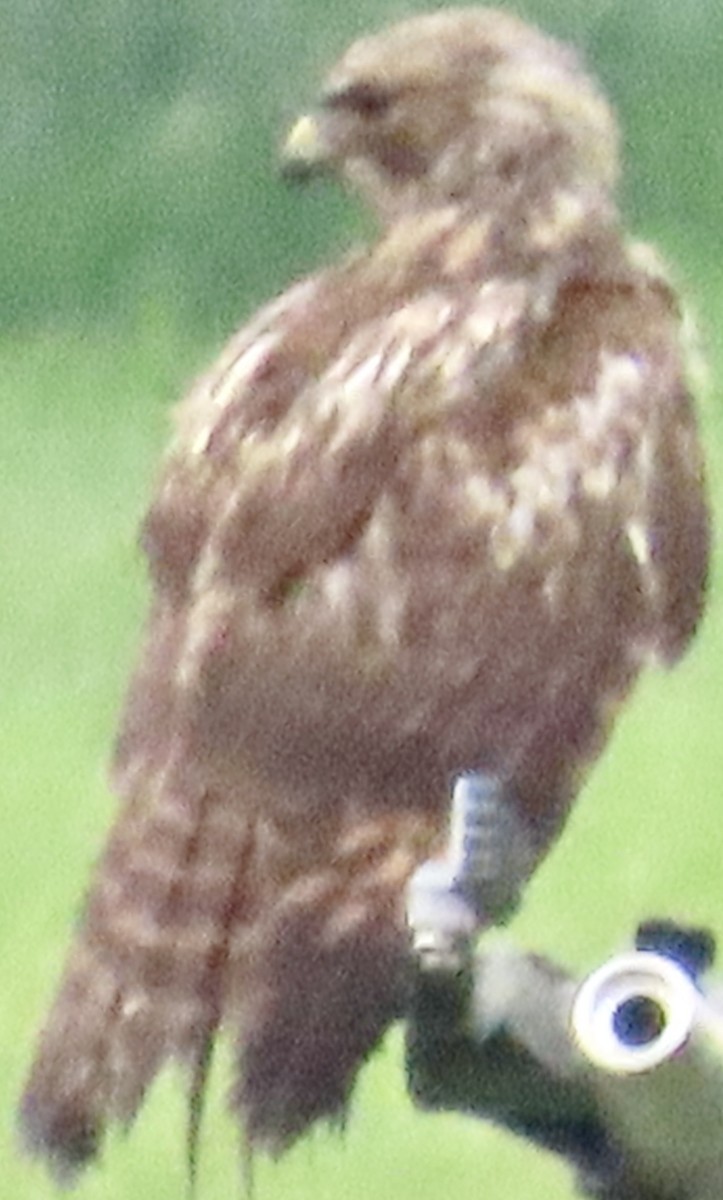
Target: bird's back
(472, 512)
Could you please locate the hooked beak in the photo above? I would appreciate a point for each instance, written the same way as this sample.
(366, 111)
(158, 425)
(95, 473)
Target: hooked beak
(305, 152)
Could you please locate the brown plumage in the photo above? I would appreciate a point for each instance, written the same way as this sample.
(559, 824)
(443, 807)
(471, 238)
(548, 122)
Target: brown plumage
(431, 510)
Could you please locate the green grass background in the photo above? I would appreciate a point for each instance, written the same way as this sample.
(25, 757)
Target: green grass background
(141, 219)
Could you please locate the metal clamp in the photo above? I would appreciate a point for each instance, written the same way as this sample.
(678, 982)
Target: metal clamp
(621, 1073)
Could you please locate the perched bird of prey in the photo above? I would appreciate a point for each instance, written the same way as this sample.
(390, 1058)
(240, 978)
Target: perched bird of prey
(428, 515)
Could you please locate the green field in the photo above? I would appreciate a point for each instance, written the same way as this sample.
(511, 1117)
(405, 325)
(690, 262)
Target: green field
(89, 368)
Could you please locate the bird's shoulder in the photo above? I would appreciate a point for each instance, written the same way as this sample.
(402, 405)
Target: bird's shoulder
(522, 395)
(311, 404)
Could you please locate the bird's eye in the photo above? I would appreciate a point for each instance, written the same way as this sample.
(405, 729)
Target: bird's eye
(365, 99)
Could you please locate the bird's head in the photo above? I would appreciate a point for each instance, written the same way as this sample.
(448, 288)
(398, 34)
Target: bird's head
(458, 106)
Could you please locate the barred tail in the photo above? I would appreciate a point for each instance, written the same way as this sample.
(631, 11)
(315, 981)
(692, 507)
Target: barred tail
(145, 978)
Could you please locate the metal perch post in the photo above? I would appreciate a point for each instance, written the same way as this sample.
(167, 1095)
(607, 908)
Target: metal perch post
(621, 1073)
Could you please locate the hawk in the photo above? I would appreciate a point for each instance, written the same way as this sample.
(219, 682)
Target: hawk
(429, 513)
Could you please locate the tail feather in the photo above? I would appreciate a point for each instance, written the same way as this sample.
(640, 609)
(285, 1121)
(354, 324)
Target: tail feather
(328, 974)
(145, 980)
(201, 914)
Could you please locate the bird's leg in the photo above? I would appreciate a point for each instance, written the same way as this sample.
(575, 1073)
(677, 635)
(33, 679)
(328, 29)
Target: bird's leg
(477, 881)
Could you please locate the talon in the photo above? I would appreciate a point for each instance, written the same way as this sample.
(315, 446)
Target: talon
(442, 920)
(450, 900)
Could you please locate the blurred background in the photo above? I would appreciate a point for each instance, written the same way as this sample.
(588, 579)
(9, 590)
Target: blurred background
(141, 219)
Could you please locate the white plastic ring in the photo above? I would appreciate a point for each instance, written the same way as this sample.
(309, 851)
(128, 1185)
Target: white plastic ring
(634, 1013)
